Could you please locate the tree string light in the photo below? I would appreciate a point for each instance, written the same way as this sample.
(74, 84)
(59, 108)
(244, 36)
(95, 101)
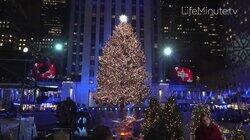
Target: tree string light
(122, 73)
(167, 119)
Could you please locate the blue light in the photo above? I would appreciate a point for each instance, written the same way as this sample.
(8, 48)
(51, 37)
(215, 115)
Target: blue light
(167, 51)
(59, 47)
(93, 108)
(16, 104)
(116, 109)
(105, 108)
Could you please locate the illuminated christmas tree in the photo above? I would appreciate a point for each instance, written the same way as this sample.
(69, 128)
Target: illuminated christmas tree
(122, 73)
(238, 134)
(196, 115)
(151, 117)
(171, 121)
(163, 122)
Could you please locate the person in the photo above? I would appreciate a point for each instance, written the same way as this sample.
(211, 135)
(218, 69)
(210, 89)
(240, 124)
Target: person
(67, 113)
(102, 133)
(207, 130)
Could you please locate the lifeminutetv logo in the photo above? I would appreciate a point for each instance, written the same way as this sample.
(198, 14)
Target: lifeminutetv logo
(198, 11)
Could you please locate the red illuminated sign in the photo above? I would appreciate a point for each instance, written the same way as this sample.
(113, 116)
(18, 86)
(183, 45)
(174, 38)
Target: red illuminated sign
(43, 71)
(184, 74)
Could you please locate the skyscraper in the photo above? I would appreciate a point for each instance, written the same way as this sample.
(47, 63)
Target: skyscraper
(236, 39)
(13, 38)
(91, 24)
(54, 25)
(12, 19)
(236, 33)
(52, 17)
(196, 39)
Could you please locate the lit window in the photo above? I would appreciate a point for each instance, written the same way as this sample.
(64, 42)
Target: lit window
(1, 44)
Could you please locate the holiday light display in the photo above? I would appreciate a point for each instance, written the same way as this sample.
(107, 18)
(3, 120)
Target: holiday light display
(238, 134)
(171, 117)
(166, 120)
(124, 128)
(196, 115)
(122, 73)
(44, 71)
(238, 49)
(151, 116)
(184, 74)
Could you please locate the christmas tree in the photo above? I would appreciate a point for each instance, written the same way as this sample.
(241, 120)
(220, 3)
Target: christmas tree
(122, 73)
(151, 117)
(171, 119)
(163, 122)
(196, 115)
(237, 134)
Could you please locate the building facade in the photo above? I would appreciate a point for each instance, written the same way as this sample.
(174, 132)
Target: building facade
(195, 39)
(52, 16)
(11, 25)
(236, 33)
(91, 24)
(13, 39)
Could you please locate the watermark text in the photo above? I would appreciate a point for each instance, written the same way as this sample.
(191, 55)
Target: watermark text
(198, 11)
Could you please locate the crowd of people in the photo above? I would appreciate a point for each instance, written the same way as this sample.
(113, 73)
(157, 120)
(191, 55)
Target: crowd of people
(207, 130)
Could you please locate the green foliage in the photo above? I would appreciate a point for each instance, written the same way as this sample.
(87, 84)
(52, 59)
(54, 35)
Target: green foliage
(237, 134)
(164, 120)
(171, 117)
(151, 116)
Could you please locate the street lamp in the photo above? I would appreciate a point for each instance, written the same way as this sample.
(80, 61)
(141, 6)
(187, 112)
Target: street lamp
(25, 49)
(167, 51)
(59, 47)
